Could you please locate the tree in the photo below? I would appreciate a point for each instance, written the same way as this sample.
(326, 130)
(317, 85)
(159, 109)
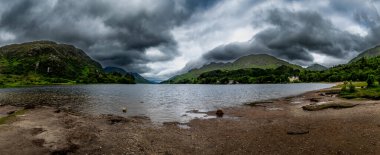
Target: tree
(370, 81)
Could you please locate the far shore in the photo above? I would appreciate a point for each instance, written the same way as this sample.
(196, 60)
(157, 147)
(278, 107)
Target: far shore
(277, 126)
(74, 84)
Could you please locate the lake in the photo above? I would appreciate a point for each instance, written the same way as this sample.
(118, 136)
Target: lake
(159, 102)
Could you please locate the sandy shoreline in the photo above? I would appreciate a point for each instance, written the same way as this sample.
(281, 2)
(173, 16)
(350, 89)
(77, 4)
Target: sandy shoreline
(280, 126)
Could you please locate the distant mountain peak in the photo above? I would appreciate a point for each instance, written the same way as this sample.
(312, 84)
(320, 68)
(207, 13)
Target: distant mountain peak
(262, 61)
(137, 76)
(317, 67)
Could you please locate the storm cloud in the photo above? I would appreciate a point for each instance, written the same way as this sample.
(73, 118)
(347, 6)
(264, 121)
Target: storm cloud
(293, 36)
(114, 32)
(159, 39)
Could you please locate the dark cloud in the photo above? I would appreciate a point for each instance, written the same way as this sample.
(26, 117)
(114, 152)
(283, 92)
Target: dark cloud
(228, 52)
(114, 32)
(135, 34)
(293, 35)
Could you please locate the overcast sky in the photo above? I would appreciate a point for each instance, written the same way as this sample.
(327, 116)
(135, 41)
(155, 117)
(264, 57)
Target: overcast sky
(161, 38)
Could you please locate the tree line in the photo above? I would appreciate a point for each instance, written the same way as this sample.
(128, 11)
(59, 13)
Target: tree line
(358, 70)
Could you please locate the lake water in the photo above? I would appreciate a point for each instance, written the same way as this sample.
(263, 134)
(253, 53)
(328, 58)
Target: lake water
(161, 103)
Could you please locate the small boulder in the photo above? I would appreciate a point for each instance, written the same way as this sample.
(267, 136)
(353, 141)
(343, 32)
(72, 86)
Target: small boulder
(124, 109)
(314, 99)
(219, 113)
(11, 112)
(29, 106)
(113, 119)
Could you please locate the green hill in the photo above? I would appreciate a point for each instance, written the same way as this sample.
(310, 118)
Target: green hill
(372, 52)
(44, 62)
(261, 61)
(141, 79)
(110, 69)
(359, 70)
(280, 74)
(137, 76)
(46, 58)
(356, 71)
(316, 67)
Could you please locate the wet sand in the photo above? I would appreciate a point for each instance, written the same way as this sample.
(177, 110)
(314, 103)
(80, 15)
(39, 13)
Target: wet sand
(278, 126)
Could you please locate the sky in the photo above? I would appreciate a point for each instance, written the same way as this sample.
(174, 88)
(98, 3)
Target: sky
(162, 38)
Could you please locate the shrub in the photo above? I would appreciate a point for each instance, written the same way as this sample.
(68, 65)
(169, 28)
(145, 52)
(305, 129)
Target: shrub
(344, 87)
(351, 87)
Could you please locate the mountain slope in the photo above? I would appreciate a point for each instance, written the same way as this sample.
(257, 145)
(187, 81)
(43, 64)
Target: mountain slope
(110, 69)
(262, 61)
(355, 71)
(316, 67)
(47, 58)
(372, 52)
(47, 62)
(138, 77)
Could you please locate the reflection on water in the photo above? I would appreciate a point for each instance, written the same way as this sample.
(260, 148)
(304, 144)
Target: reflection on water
(161, 103)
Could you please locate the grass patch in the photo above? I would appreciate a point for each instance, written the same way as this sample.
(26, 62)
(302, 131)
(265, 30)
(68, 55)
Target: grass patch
(368, 93)
(356, 84)
(11, 117)
(14, 81)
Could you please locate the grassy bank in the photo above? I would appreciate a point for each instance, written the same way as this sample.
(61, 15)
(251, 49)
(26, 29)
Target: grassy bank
(356, 84)
(367, 93)
(358, 90)
(31, 79)
(8, 81)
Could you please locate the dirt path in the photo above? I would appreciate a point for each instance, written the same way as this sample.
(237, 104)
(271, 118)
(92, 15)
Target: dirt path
(277, 127)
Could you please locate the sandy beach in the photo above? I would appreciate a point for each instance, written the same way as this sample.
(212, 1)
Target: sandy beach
(279, 126)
